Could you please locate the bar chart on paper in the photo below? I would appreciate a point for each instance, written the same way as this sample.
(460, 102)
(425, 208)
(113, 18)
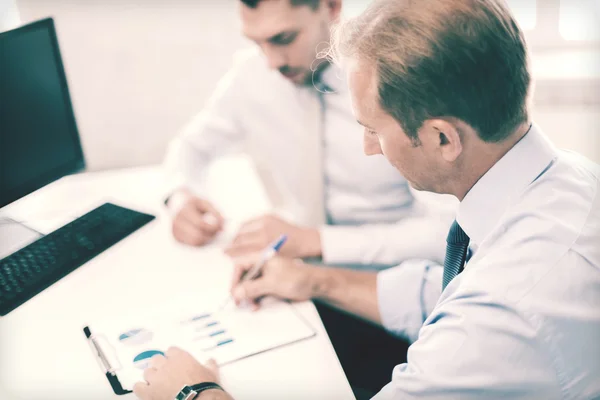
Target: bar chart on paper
(224, 335)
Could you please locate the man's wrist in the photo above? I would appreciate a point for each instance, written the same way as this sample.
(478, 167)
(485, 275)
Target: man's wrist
(310, 243)
(213, 394)
(321, 281)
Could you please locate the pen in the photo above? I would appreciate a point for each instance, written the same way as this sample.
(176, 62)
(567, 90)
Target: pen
(268, 253)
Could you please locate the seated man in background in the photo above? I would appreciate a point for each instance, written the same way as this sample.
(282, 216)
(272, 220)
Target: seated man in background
(345, 208)
(443, 88)
(293, 114)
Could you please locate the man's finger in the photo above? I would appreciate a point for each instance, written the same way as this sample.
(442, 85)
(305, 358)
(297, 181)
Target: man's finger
(251, 226)
(211, 219)
(248, 238)
(214, 368)
(243, 251)
(157, 361)
(149, 374)
(238, 271)
(192, 215)
(248, 260)
(173, 352)
(188, 234)
(205, 206)
(212, 365)
(251, 290)
(246, 243)
(142, 390)
(200, 221)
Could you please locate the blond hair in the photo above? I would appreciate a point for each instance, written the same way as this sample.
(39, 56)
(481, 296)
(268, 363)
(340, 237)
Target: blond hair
(465, 59)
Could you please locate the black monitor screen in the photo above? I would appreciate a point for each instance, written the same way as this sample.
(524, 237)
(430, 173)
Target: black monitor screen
(39, 142)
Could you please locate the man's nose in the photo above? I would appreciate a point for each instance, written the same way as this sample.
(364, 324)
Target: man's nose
(275, 57)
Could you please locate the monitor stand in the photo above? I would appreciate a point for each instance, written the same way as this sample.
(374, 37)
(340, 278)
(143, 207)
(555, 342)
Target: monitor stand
(14, 236)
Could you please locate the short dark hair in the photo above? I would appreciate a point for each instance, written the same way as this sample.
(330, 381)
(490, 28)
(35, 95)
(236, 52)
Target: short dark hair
(444, 58)
(314, 4)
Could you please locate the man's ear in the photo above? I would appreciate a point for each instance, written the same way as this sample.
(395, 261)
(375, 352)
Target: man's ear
(443, 135)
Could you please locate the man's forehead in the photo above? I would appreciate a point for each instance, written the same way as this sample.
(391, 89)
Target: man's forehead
(362, 81)
(271, 18)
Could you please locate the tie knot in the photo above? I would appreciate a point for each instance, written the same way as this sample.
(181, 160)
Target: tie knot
(457, 235)
(322, 87)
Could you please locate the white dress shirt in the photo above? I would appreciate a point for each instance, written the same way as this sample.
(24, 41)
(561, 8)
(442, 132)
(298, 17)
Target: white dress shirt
(373, 217)
(523, 319)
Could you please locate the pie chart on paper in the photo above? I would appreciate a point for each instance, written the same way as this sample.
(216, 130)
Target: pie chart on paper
(136, 337)
(141, 360)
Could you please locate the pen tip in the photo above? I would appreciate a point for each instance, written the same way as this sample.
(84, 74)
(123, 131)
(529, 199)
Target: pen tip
(280, 242)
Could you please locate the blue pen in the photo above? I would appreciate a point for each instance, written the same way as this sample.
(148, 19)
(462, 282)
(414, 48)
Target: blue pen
(269, 253)
(253, 272)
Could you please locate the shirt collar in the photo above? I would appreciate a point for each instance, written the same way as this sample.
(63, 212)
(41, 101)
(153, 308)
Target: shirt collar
(484, 204)
(332, 80)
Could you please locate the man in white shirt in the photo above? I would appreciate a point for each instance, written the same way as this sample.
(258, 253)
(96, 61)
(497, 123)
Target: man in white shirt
(442, 89)
(297, 124)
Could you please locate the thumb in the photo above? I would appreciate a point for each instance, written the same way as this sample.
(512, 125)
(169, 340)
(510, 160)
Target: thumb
(251, 290)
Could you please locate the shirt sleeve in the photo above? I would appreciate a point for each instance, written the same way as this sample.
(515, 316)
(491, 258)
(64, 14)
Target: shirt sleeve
(213, 132)
(473, 346)
(407, 294)
(419, 235)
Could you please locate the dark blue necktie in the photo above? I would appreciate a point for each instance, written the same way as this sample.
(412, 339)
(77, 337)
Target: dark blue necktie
(456, 253)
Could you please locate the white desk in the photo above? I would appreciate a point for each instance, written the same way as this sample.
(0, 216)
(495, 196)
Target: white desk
(43, 352)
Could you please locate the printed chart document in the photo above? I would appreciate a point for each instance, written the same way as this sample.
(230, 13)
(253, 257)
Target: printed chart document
(125, 345)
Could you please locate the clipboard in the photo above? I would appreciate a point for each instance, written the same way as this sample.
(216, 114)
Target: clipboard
(109, 371)
(234, 334)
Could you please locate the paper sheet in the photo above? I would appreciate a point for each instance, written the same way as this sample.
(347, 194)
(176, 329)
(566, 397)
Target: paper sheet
(225, 335)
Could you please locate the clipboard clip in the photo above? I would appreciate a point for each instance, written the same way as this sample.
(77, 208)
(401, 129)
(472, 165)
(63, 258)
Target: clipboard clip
(109, 370)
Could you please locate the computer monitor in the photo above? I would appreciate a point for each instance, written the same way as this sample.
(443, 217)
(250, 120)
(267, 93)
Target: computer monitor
(39, 142)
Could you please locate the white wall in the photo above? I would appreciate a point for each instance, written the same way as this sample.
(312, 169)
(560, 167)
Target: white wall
(567, 97)
(9, 15)
(139, 69)
(138, 73)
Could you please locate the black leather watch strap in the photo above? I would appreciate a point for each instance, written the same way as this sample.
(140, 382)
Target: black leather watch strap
(201, 387)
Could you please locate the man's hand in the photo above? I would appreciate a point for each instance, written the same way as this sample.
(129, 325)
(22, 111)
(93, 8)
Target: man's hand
(197, 221)
(167, 374)
(257, 234)
(283, 278)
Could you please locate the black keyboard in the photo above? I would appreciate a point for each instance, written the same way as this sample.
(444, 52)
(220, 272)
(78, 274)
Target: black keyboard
(32, 269)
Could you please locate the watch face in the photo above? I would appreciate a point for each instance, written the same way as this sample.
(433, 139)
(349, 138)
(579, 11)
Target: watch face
(186, 393)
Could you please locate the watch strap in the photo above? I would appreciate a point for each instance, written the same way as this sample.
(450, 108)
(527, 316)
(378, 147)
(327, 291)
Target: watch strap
(201, 387)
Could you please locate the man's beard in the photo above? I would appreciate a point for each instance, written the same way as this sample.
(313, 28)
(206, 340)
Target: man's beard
(293, 73)
(308, 77)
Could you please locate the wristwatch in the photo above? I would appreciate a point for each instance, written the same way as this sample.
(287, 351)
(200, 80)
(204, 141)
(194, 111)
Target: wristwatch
(191, 392)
